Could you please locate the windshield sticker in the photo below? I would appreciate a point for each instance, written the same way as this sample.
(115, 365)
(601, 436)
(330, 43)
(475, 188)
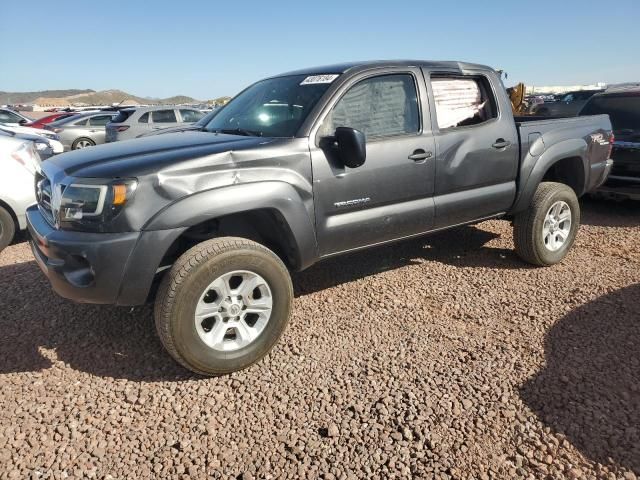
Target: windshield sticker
(314, 79)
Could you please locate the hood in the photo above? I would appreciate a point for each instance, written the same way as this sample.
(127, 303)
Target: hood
(163, 131)
(141, 156)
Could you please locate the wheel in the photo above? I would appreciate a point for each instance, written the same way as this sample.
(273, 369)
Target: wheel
(7, 228)
(82, 142)
(223, 305)
(545, 232)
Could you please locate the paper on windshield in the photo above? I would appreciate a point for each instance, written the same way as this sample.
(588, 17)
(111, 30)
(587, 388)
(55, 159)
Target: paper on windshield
(315, 79)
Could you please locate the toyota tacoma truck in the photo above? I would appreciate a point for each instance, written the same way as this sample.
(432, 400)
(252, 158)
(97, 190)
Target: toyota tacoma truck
(297, 168)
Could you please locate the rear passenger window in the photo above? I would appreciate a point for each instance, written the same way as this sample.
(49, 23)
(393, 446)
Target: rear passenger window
(463, 101)
(100, 120)
(164, 116)
(191, 115)
(144, 118)
(380, 106)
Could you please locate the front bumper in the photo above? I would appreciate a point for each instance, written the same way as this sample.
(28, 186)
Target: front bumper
(83, 267)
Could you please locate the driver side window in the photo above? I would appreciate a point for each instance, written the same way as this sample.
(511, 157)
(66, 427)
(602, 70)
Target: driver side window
(381, 106)
(9, 117)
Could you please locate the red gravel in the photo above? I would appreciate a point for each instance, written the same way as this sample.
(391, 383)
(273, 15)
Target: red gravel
(444, 357)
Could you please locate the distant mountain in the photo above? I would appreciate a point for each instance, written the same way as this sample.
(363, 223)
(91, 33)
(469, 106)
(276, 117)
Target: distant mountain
(86, 97)
(29, 97)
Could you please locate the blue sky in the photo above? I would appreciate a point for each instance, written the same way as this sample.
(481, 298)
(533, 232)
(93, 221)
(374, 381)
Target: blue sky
(206, 49)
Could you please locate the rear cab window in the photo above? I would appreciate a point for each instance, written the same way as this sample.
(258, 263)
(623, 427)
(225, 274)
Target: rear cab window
(190, 116)
(100, 120)
(164, 116)
(122, 116)
(462, 101)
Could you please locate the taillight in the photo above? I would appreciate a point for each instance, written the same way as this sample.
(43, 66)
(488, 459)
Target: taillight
(122, 128)
(612, 139)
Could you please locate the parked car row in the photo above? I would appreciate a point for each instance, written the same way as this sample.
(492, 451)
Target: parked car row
(25, 142)
(568, 104)
(87, 129)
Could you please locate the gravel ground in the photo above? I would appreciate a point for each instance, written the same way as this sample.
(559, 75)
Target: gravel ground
(444, 357)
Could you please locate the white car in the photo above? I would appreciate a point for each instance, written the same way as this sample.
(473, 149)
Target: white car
(18, 163)
(54, 140)
(12, 117)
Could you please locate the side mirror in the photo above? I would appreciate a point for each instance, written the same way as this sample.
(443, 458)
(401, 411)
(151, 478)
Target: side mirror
(352, 146)
(22, 122)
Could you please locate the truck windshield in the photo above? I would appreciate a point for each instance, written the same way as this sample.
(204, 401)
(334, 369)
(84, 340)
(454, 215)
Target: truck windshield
(275, 107)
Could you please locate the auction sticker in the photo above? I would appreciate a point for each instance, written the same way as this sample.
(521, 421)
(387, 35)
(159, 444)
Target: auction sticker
(313, 79)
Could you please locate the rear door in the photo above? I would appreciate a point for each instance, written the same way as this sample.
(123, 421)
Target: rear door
(97, 125)
(477, 147)
(164, 118)
(390, 196)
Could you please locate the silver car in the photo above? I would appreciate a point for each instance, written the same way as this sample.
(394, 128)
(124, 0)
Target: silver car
(82, 130)
(134, 122)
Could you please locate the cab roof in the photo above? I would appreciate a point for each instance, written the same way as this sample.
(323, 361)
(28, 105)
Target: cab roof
(354, 67)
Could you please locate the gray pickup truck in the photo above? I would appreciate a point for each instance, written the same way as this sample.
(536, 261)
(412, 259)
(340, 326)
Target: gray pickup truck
(295, 169)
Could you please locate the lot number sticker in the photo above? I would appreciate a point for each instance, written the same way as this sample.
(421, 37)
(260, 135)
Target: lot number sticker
(313, 79)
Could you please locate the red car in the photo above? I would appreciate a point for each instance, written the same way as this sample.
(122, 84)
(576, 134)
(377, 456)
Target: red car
(41, 122)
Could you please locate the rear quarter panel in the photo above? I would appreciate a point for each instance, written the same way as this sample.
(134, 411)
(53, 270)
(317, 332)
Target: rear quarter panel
(545, 142)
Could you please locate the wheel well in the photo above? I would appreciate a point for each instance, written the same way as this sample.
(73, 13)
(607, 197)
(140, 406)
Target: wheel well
(264, 226)
(12, 213)
(569, 171)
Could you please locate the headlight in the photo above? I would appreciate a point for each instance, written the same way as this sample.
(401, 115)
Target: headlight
(89, 204)
(26, 155)
(51, 136)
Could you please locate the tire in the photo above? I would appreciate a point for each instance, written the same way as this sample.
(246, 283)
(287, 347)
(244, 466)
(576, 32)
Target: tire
(534, 237)
(191, 286)
(7, 228)
(82, 142)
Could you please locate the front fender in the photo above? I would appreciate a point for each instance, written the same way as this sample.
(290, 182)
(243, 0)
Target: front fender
(279, 196)
(534, 168)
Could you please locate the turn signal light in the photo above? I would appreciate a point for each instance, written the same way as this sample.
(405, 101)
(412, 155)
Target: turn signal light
(119, 195)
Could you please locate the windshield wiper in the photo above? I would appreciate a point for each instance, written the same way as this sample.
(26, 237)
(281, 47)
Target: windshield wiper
(238, 131)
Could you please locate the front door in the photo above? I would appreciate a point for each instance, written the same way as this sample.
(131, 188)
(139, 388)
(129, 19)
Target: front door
(390, 196)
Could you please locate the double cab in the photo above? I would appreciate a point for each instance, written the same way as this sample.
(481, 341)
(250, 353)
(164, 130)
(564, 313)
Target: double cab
(208, 222)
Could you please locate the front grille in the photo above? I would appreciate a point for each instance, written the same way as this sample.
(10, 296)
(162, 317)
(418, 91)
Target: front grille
(626, 161)
(44, 195)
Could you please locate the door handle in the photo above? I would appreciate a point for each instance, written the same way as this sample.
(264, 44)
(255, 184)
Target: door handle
(501, 143)
(420, 155)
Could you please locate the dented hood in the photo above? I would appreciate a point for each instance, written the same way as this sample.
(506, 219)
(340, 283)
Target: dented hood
(143, 156)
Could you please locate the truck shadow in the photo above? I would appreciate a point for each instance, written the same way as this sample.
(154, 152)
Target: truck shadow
(463, 247)
(40, 330)
(599, 212)
(589, 390)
